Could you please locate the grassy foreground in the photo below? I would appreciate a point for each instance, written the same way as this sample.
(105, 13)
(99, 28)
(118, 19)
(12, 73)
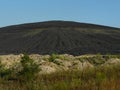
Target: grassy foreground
(98, 78)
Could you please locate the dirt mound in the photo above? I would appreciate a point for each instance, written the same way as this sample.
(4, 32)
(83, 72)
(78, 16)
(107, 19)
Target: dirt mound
(59, 37)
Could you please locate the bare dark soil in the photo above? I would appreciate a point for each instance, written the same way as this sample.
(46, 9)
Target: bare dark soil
(59, 37)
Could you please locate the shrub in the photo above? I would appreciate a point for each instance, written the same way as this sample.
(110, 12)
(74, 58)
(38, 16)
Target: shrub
(30, 68)
(4, 72)
(57, 56)
(53, 57)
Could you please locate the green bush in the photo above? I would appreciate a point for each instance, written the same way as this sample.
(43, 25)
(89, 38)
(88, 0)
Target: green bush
(96, 60)
(57, 56)
(53, 57)
(30, 68)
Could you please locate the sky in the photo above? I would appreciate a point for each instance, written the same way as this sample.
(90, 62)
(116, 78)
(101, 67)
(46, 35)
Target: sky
(103, 12)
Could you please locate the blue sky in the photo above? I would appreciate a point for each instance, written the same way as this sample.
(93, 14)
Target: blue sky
(104, 12)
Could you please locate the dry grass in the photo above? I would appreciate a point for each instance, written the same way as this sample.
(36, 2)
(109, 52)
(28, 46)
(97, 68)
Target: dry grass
(98, 78)
(107, 78)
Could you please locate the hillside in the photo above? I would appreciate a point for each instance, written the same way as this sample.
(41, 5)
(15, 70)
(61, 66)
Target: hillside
(59, 37)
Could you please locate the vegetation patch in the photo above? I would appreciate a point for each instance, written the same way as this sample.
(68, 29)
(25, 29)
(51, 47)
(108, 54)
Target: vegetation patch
(28, 78)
